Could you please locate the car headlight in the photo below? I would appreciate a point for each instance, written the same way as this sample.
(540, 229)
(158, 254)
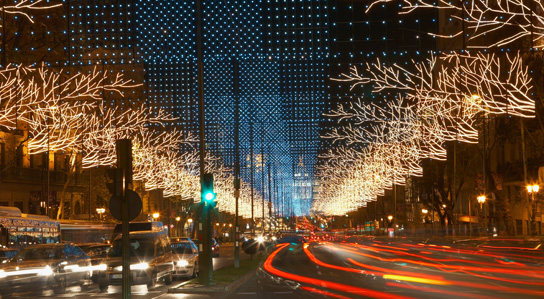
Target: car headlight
(47, 271)
(183, 263)
(2, 274)
(101, 267)
(140, 266)
(260, 239)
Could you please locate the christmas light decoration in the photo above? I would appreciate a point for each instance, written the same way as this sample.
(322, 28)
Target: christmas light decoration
(447, 96)
(24, 8)
(487, 23)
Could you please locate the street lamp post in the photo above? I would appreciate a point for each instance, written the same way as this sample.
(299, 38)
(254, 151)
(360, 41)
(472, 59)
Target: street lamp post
(189, 221)
(155, 216)
(425, 211)
(177, 226)
(100, 211)
(532, 189)
(481, 201)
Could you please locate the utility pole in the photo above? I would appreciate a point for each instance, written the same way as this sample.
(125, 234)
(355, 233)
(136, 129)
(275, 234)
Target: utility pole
(236, 165)
(204, 225)
(251, 170)
(269, 191)
(124, 162)
(262, 176)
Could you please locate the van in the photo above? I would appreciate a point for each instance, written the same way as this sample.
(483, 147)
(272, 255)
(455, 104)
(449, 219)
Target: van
(151, 260)
(154, 226)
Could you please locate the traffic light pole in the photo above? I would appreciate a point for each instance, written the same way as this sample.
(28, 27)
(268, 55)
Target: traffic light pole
(236, 166)
(204, 225)
(124, 162)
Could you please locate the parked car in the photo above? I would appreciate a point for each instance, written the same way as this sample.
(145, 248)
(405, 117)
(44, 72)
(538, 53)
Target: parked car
(97, 252)
(180, 239)
(214, 245)
(7, 253)
(215, 248)
(185, 259)
(44, 266)
(151, 260)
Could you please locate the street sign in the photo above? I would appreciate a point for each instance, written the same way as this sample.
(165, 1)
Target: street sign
(134, 206)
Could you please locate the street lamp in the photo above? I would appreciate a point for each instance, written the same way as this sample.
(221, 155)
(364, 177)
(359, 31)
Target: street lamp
(533, 189)
(481, 201)
(156, 216)
(189, 221)
(390, 217)
(100, 211)
(177, 225)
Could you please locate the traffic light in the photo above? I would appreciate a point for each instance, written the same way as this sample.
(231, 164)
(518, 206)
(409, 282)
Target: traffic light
(207, 188)
(116, 176)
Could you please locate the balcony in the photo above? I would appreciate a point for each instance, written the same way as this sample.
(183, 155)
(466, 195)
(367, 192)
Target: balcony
(22, 174)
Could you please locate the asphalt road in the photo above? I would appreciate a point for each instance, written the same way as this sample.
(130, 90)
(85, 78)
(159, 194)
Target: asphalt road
(225, 259)
(381, 269)
(372, 268)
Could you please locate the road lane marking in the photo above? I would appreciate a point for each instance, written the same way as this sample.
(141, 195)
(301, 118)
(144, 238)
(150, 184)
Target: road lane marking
(282, 293)
(247, 293)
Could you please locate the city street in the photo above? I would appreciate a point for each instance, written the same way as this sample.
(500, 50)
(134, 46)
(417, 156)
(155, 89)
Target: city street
(381, 269)
(225, 259)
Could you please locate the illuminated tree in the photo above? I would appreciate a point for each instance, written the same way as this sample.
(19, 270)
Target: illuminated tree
(487, 23)
(25, 8)
(447, 97)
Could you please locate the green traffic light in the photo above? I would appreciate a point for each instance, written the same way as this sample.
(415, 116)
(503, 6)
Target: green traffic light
(209, 196)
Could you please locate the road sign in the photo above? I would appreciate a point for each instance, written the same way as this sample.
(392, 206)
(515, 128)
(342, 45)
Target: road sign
(134, 205)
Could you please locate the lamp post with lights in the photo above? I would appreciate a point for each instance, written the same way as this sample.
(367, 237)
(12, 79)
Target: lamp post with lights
(177, 226)
(532, 189)
(189, 223)
(425, 211)
(100, 211)
(481, 201)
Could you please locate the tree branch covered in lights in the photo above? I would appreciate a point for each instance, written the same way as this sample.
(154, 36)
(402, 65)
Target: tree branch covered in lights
(51, 101)
(454, 89)
(24, 8)
(488, 23)
(446, 98)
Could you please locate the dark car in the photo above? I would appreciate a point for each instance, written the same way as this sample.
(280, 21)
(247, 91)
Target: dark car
(45, 266)
(180, 239)
(291, 239)
(7, 253)
(185, 259)
(215, 248)
(151, 260)
(97, 252)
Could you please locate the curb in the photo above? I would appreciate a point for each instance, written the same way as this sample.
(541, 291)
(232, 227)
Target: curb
(240, 281)
(202, 289)
(196, 289)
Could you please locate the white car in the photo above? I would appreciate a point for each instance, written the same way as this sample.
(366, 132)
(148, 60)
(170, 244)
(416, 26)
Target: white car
(185, 259)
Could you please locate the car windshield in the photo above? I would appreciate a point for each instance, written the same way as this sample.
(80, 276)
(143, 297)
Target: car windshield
(39, 253)
(138, 247)
(182, 248)
(98, 251)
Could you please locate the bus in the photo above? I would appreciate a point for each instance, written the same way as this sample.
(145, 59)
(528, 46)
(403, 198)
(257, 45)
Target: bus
(18, 230)
(80, 231)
